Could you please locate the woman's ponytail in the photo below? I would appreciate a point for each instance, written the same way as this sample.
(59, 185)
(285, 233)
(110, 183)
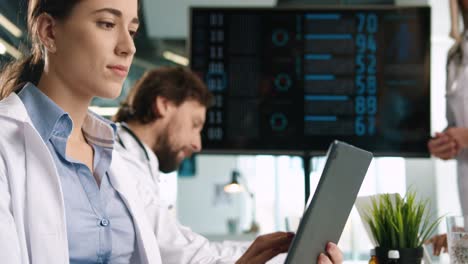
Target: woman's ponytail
(28, 69)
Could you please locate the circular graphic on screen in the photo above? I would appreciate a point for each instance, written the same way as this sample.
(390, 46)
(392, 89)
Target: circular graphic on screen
(283, 82)
(280, 37)
(278, 122)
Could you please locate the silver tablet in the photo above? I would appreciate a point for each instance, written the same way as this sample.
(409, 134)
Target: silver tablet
(328, 209)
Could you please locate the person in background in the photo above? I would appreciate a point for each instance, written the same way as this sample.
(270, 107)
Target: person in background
(65, 195)
(159, 125)
(452, 143)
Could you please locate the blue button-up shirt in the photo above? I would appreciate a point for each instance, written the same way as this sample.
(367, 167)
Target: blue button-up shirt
(99, 226)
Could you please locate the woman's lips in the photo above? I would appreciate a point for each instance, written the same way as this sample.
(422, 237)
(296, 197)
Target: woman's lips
(120, 70)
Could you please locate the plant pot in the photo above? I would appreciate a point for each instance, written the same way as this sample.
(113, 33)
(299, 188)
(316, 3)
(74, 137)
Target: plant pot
(407, 255)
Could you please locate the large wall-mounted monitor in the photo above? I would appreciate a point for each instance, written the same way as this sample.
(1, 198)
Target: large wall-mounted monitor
(293, 80)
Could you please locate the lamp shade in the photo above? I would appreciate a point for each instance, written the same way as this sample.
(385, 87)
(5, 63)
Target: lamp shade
(233, 186)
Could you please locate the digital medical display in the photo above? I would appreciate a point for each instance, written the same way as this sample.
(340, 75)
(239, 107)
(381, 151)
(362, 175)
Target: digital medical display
(293, 80)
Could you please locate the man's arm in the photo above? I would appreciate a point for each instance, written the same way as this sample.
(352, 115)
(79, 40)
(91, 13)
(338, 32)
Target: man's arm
(179, 244)
(266, 247)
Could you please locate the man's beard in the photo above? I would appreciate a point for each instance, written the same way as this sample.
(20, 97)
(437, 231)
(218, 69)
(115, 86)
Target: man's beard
(167, 157)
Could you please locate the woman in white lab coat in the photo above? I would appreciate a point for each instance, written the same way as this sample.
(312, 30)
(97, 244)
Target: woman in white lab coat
(65, 195)
(54, 154)
(452, 143)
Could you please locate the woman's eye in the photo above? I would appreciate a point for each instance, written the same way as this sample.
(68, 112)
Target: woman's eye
(106, 25)
(133, 33)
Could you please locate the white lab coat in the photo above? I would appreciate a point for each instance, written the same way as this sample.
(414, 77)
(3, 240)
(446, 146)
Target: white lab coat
(457, 109)
(32, 216)
(177, 243)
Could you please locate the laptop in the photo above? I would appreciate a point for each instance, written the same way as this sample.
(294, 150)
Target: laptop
(328, 209)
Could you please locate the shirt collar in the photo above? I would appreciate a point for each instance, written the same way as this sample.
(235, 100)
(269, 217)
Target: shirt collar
(99, 131)
(49, 119)
(46, 116)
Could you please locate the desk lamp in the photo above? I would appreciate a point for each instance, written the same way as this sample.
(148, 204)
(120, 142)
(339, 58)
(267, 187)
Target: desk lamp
(235, 187)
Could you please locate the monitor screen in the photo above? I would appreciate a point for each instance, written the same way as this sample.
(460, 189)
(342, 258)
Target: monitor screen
(293, 80)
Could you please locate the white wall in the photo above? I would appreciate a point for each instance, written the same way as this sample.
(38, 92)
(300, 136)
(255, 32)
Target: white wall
(277, 182)
(169, 18)
(196, 196)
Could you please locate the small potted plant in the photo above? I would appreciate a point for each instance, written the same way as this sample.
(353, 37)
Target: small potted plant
(401, 224)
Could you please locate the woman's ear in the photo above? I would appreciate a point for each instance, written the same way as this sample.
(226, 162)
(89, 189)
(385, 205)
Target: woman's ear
(46, 32)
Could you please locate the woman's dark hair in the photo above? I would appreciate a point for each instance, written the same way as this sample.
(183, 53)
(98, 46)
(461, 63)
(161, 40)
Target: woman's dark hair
(177, 84)
(29, 69)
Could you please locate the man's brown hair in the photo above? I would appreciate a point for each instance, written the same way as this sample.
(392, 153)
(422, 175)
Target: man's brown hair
(177, 84)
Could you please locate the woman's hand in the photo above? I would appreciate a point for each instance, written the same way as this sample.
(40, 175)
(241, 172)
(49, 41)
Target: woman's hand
(460, 135)
(443, 146)
(439, 243)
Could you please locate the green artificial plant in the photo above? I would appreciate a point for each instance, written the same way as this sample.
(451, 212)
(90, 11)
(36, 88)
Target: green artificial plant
(398, 222)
